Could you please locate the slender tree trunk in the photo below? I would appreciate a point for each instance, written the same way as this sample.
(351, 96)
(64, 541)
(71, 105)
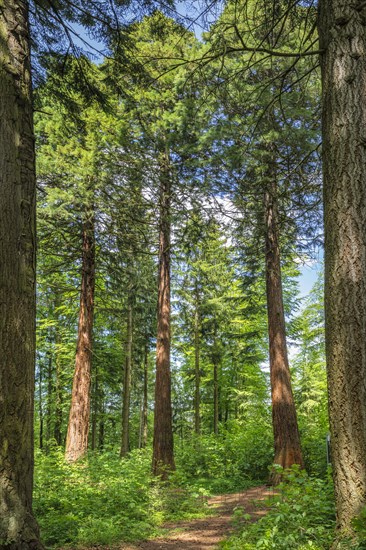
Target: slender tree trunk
(197, 374)
(49, 393)
(287, 449)
(78, 426)
(145, 399)
(58, 391)
(18, 529)
(127, 385)
(216, 399)
(95, 402)
(343, 38)
(40, 407)
(163, 454)
(101, 427)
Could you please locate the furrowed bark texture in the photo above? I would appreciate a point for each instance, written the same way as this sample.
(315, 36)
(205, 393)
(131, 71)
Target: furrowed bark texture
(18, 529)
(127, 386)
(285, 429)
(78, 426)
(163, 457)
(342, 30)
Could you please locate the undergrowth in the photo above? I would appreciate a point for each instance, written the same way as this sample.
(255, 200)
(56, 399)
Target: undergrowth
(106, 499)
(302, 516)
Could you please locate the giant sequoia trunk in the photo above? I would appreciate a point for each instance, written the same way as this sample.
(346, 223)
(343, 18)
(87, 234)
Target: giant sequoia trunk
(78, 427)
(127, 385)
(163, 457)
(18, 529)
(343, 38)
(287, 449)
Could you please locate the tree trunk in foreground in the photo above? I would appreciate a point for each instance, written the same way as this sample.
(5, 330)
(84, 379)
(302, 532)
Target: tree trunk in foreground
(287, 449)
(163, 457)
(127, 386)
(78, 427)
(343, 37)
(18, 529)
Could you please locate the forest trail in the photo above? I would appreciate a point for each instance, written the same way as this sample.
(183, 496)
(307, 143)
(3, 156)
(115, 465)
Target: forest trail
(205, 534)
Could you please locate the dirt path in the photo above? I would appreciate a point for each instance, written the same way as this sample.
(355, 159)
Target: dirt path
(205, 534)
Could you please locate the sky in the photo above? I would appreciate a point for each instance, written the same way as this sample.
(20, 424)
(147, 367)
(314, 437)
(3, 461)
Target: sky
(308, 277)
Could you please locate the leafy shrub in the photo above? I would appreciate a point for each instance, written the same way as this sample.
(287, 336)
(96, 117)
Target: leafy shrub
(228, 462)
(104, 499)
(302, 517)
(359, 525)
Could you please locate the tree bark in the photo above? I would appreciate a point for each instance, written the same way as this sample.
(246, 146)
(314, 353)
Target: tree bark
(49, 391)
(40, 407)
(216, 398)
(95, 410)
(163, 454)
(287, 448)
(18, 529)
(343, 39)
(78, 426)
(58, 389)
(127, 385)
(197, 374)
(144, 426)
(216, 395)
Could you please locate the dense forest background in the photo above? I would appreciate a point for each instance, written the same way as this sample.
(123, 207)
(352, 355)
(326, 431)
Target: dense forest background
(179, 194)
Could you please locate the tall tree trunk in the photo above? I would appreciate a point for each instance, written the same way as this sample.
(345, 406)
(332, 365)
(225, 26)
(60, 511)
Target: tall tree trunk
(197, 374)
(40, 407)
(216, 360)
(127, 385)
(95, 410)
(287, 449)
(163, 454)
(101, 427)
(216, 398)
(78, 426)
(49, 392)
(145, 398)
(18, 529)
(58, 390)
(343, 38)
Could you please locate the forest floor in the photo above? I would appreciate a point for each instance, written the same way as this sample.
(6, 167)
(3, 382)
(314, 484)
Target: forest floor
(205, 534)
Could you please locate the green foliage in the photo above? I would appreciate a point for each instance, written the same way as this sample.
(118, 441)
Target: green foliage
(359, 525)
(310, 381)
(105, 499)
(226, 463)
(302, 516)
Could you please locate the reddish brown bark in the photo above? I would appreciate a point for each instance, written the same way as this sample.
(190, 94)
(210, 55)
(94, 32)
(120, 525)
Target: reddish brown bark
(163, 454)
(78, 426)
(287, 448)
